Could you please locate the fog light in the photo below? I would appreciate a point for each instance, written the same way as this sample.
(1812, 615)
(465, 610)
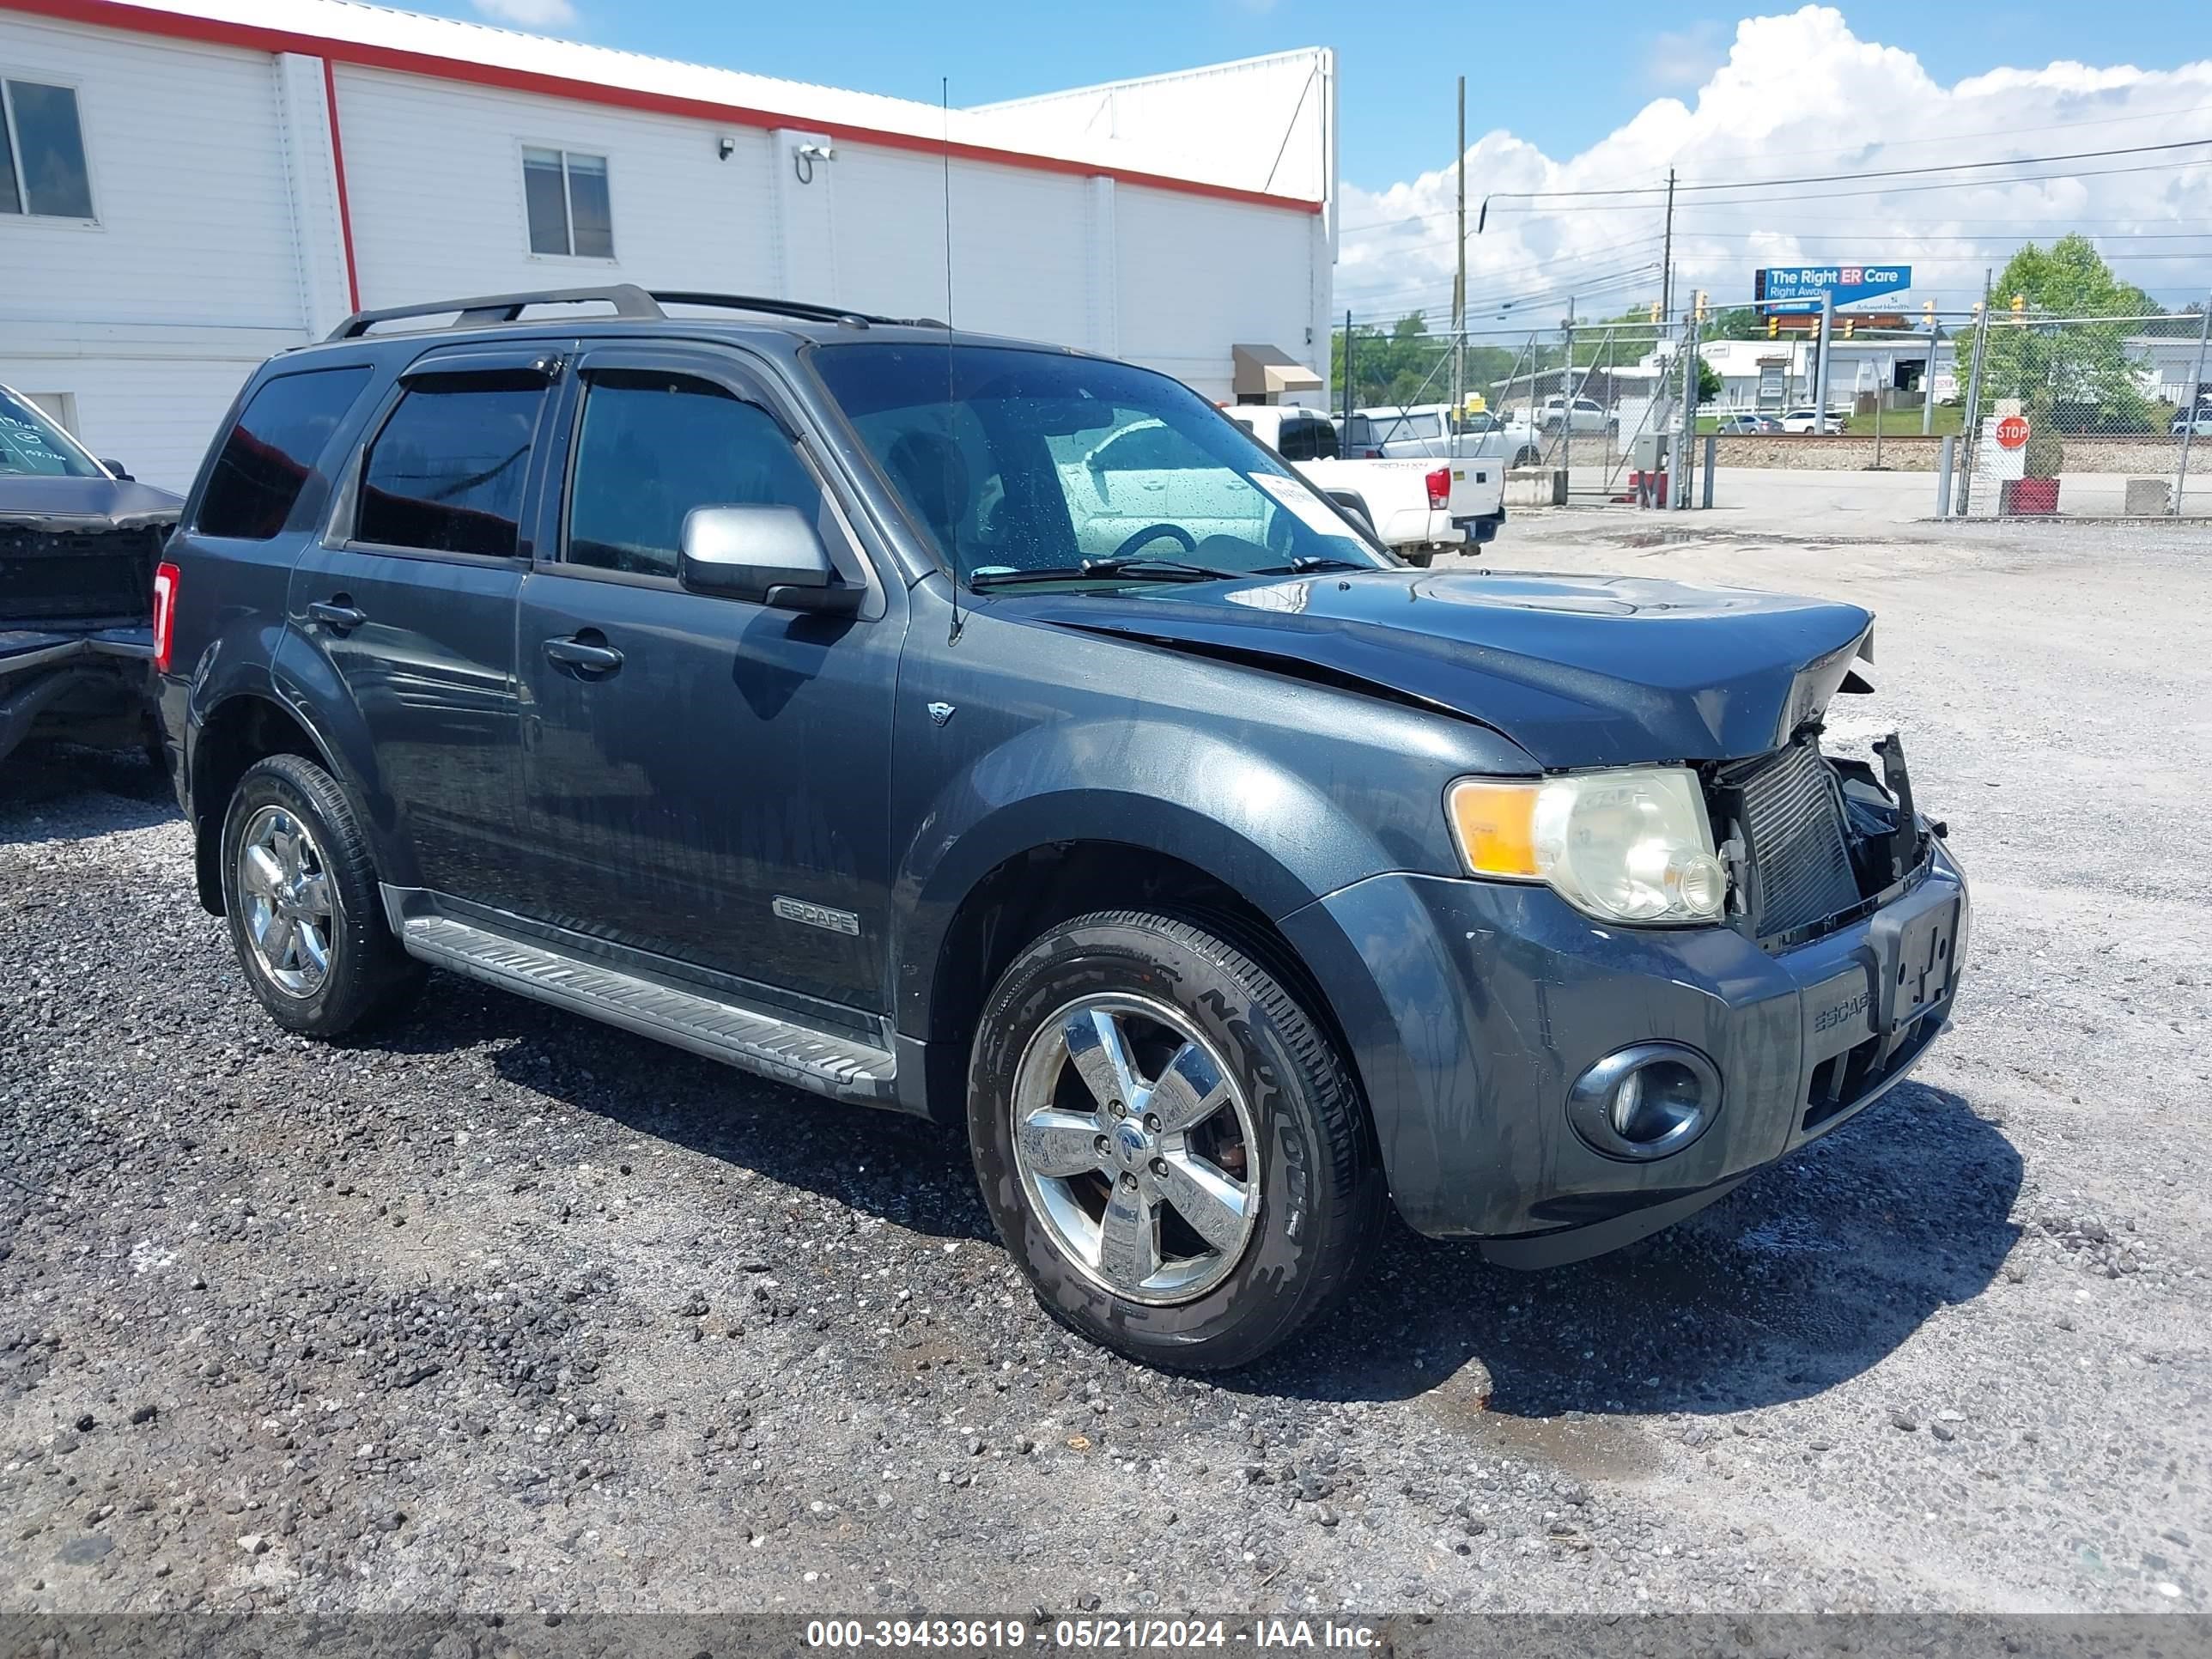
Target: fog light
(1644, 1101)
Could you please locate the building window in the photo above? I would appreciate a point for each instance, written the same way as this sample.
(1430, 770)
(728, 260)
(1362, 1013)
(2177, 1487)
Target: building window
(42, 168)
(566, 196)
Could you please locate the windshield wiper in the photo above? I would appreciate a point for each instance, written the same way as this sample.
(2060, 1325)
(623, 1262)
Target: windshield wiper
(1310, 562)
(1151, 570)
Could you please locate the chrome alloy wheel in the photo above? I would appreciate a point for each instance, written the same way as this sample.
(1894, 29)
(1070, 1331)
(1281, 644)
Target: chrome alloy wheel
(291, 908)
(1135, 1148)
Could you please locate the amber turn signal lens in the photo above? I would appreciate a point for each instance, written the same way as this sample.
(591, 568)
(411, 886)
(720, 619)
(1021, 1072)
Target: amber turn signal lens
(1495, 822)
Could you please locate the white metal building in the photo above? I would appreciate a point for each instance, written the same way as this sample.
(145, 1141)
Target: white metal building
(187, 186)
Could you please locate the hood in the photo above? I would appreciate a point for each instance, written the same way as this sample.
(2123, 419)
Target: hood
(45, 503)
(1579, 671)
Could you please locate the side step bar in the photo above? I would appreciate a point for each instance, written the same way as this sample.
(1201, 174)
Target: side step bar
(751, 1038)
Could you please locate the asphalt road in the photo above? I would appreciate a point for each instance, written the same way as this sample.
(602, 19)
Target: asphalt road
(507, 1311)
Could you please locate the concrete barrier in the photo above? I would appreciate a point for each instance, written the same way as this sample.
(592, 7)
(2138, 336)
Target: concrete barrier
(1536, 486)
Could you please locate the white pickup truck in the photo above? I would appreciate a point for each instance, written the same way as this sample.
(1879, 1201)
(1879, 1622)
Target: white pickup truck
(1414, 506)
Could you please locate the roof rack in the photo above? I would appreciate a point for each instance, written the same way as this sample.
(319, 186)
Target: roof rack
(628, 300)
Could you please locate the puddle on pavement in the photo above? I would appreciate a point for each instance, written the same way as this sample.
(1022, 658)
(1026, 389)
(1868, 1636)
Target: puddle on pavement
(1615, 1449)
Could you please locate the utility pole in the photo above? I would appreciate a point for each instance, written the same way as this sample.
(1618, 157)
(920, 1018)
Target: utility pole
(2192, 402)
(1928, 377)
(1678, 482)
(1667, 254)
(1459, 285)
(1347, 373)
(1820, 373)
(1972, 411)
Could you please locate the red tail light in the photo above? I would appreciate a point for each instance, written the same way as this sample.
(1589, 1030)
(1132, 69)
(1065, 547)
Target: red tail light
(1439, 483)
(165, 614)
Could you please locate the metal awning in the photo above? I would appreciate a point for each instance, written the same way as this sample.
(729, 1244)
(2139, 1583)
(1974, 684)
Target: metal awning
(1266, 371)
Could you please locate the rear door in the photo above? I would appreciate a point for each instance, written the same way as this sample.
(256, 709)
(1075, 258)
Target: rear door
(410, 600)
(705, 779)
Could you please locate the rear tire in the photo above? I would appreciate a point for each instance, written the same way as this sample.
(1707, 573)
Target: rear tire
(1196, 1248)
(300, 895)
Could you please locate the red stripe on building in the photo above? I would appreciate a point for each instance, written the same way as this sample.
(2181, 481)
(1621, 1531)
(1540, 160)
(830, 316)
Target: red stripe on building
(140, 20)
(338, 161)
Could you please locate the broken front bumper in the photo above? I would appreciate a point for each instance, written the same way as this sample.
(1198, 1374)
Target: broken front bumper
(1472, 1007)
(94, 685)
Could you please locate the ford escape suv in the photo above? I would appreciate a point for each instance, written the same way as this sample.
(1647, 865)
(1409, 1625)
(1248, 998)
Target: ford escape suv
(798, 688)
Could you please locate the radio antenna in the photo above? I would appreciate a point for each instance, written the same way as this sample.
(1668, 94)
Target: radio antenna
(951, 428)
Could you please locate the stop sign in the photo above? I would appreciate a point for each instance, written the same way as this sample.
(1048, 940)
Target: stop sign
(2012, 432)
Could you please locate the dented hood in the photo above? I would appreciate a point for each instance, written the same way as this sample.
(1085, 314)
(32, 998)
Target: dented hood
(1579, 671)
(76, 504)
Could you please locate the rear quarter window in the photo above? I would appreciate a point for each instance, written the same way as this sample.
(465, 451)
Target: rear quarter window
(267, 456)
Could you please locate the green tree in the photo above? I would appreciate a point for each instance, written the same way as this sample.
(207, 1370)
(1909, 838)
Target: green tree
(2070, 375)
(1407, 364)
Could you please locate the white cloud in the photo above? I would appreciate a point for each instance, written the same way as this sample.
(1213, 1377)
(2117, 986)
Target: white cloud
(1793, 97)
(529, 13)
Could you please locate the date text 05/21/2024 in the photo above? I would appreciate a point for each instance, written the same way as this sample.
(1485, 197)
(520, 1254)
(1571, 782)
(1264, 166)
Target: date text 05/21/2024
(1090, 1635)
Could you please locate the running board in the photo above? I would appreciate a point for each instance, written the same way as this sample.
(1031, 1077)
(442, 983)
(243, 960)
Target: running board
(751, 1038)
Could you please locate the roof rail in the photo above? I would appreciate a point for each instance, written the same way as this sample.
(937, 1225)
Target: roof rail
(628, 300)
(772, 307)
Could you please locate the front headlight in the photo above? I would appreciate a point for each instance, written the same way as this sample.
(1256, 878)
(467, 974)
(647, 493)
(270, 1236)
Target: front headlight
(1630, 844)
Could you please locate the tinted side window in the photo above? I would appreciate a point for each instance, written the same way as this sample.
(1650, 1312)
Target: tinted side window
(1309, 441)
(270, 452)
(445, 474)
(655, 445)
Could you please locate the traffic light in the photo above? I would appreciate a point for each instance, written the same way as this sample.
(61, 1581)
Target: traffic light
(1927, 314)
(1655, 313)
(2018, 306)
(1773, 325)
(1701, 308)
(1850, 323)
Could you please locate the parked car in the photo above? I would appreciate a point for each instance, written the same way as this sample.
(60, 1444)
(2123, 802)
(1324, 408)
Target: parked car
(1746, 425)
(78, 542)
(1807, 419)
(1430, 431)
(1414, 507)
(2197, 425)
(765, 686)
(1591, 417)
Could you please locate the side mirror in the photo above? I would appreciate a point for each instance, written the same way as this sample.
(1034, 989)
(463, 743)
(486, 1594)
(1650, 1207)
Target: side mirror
(115, 471)
(769, 555)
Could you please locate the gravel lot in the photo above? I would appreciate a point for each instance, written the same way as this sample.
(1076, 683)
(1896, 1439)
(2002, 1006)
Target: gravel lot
(508, 1311)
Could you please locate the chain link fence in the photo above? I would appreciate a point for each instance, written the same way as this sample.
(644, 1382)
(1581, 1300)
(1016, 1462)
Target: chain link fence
(2085, 417)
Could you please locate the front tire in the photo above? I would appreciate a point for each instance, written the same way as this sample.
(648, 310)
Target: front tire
(300, 895)
(1171, 1147)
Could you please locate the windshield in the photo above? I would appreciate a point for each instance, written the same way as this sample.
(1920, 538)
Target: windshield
(1015, 460)
(33, 446)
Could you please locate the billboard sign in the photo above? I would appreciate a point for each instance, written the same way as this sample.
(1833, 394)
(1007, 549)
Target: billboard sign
(1799, 288)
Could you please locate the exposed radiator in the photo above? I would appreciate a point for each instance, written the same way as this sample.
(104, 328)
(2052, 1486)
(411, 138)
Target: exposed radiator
(1793, 821)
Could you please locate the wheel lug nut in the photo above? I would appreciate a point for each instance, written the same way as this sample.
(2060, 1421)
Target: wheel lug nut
(1159, 1166)
(1098, 1144)
(1128, 1179)
(1117, 1109)
(1152, 1123)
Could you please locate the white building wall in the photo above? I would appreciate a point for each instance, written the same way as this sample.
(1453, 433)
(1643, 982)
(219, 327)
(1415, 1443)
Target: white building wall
(219, 238)
(1254, 289)
(151, 316)
(434, 172)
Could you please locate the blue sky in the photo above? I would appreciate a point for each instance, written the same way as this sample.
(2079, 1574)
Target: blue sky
(1560, 81)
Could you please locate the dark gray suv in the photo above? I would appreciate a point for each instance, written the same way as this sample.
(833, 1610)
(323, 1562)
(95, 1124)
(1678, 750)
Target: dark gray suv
(815, 691)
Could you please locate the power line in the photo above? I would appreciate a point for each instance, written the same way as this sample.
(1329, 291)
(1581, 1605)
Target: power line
(1550, 279)
(1540, 196)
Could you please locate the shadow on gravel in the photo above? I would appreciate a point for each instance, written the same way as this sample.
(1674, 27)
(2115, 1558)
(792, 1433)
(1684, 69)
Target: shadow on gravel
(881, 1163)
(1806, 1275)
(50, 791)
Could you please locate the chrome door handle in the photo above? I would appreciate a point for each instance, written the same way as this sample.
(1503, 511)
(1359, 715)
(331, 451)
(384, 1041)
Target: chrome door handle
(583, 656)
(337, 615)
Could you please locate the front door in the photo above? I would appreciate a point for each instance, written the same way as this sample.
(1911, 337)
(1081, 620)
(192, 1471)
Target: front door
(705, 779)
(411, 605)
